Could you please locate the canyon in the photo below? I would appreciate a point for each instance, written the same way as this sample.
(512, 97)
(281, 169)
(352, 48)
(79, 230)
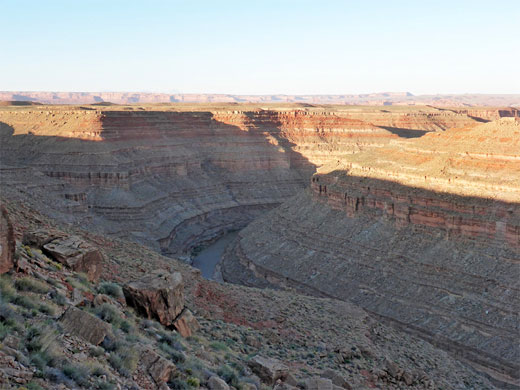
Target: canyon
(411, 213)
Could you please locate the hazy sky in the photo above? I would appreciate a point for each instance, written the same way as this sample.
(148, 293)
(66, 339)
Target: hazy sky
(261, 47)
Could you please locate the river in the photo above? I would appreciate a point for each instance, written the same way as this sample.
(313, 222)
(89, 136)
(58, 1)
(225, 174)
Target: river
(210, 256)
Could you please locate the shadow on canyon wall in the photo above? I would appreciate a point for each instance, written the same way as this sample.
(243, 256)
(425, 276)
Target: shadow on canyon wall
(440, 266)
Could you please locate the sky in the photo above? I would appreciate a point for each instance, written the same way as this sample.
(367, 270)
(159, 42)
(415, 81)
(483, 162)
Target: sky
(261, 47)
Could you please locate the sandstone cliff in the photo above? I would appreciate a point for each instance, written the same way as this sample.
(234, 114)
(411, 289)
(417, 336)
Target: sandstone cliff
(424, 233)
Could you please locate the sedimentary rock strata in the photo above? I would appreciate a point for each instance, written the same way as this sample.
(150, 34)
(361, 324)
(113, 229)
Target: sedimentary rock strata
(175, 177)
(397, 232)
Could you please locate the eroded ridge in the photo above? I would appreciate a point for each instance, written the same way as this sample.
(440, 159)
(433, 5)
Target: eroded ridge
(175, 176)
(398, 233)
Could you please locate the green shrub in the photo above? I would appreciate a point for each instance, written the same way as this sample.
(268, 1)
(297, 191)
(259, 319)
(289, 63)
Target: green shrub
(25, 301)
(96, 351)
(28, 284)
(108, 313)
(178, 384)
(105, 386)
(45, 309)
(229, 375)
(98, 370)
(83, 279)
(33, 386)
(173, 354)
(6, 288)
(59, 298)
(193, 382)
(124, 362)
(126, 326)
(112, 289)
(219, 346)
(78, 374)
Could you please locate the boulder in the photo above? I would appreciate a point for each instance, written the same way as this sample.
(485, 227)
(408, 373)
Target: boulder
(38, 238)
(215, 383)
(317, 383)
(186, 324)
(268, 370)
(85, 325)
(336, 378)
(76, 254)
(158, 367)
(7, 242)
(158, 295)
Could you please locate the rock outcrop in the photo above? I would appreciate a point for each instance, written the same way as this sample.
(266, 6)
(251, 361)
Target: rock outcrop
(269, 370)
(176, 177)
(69, 250)
(437, 257)
(157, 367)
(186, 324)
(158, 295)
(7, 242)
(85, 325)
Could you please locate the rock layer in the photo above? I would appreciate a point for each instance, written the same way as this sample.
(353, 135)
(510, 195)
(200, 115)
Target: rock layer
(174, 177)
(432, 258)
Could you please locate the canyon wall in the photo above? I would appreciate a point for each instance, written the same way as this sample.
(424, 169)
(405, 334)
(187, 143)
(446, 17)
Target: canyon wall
(424, 233)
(172, 176)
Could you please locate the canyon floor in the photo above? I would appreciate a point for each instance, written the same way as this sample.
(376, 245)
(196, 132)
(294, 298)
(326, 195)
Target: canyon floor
(378, 246)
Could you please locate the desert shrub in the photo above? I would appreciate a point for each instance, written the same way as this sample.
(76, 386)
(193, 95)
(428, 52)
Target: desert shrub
(178, 384)
(125, 362)
(219, 346)
(105, 386)
(112, 289)
(98, 370)
(108, 313)
(40, 360)
(229, 375)
(28, 284)
(83, 279)
(76, 284)
(33, 386)
(59, 298)
(79, 374)
(173, 354)
(6, 288)
(28, 250)
(193, 382)
(43, 347)
(126, 326)
(25, 301)
(96, 351)
(56, 375)
(46, 309)
(170, 338)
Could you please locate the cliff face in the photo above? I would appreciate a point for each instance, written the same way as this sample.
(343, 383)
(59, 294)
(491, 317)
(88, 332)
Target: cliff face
(175, 176)
(424, 233)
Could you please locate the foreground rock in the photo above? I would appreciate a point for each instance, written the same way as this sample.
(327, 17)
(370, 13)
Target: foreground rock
(76, 254)
(336, 379)
(7, 243)
(158, 295)
(85, 325)
(215, 383)
(268, 370)
(186, 324)
(71, 251)
(158, 367)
